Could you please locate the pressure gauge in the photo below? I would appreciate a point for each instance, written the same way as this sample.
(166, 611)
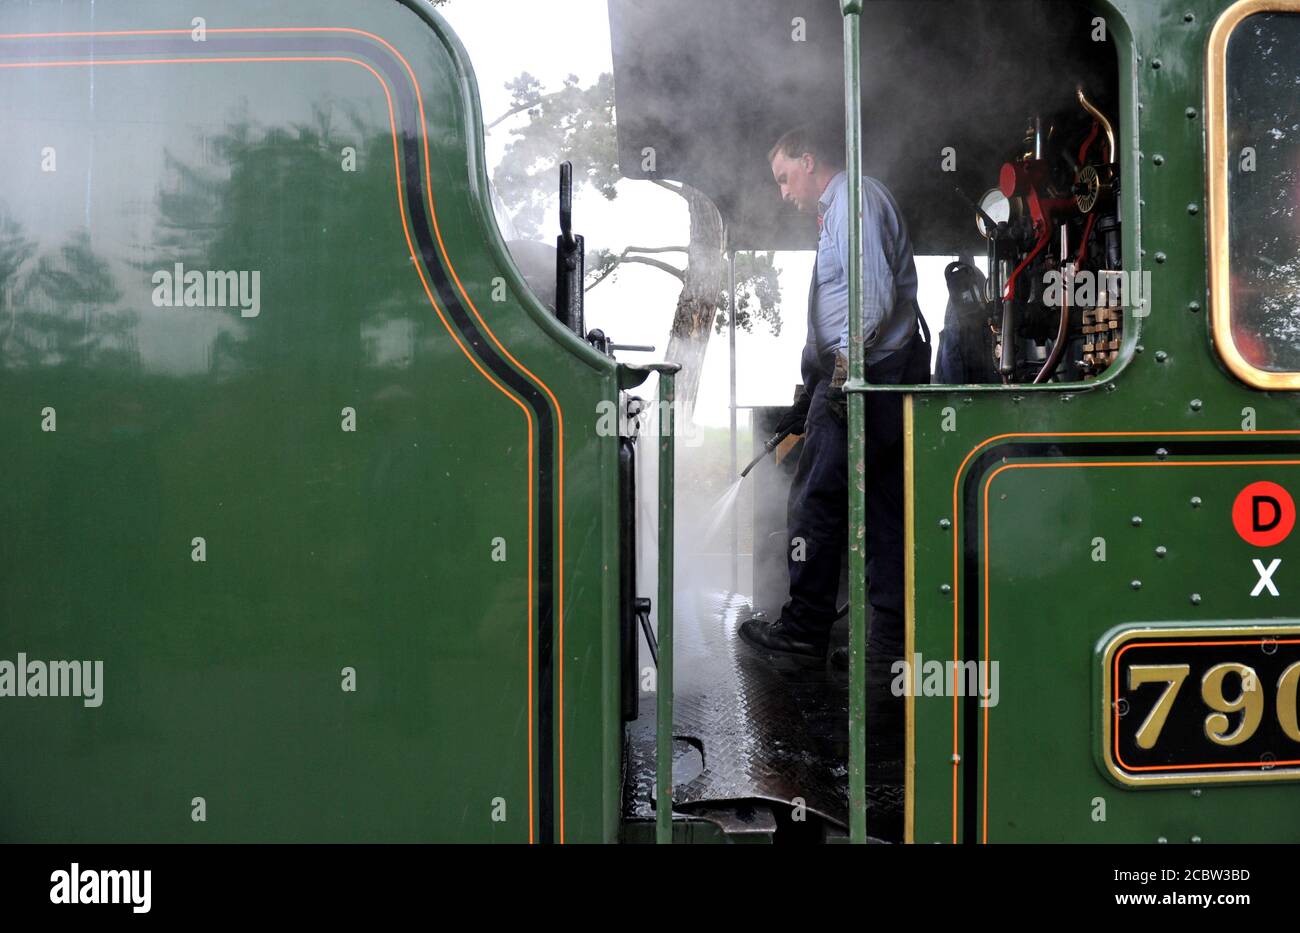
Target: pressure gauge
(996, 205)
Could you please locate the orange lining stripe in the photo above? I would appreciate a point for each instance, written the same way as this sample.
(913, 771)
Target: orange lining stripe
(423, 281)
(956, 545)
(1135, 643)
(988, 483)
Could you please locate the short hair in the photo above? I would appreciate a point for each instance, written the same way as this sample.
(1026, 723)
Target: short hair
(815, 141)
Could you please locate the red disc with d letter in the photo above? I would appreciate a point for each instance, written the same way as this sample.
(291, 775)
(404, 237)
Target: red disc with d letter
(1263, 514)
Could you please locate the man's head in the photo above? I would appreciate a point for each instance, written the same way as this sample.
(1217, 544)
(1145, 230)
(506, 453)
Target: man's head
(803, 164)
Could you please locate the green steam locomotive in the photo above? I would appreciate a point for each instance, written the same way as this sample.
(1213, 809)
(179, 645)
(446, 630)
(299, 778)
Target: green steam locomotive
(314, 528)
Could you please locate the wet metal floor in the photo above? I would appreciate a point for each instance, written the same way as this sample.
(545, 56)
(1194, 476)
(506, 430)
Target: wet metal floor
(753, 726)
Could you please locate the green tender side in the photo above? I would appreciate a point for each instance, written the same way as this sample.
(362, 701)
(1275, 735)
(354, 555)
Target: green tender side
(400, 550)
(1050, 601)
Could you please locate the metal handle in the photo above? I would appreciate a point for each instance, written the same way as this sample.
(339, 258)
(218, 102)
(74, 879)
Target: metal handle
(643, 617)
(570, 262)
(852, 10)
(566, 203)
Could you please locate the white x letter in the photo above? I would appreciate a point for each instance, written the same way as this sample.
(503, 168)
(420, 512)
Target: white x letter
(1265, 576)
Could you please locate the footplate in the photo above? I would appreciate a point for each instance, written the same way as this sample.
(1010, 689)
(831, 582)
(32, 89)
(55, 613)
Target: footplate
(753, 726)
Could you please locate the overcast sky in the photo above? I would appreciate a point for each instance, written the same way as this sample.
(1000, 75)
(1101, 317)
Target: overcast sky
(552, 40)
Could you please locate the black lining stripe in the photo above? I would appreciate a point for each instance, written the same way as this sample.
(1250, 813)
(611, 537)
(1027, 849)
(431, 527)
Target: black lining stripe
(545, 485)
(972, 583)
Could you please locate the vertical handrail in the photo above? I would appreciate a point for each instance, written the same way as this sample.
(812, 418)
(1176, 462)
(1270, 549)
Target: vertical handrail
(664, 682)
(735, 467)
(852, 10)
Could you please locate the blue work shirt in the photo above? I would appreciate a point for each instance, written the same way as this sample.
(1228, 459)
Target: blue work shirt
(889, 308)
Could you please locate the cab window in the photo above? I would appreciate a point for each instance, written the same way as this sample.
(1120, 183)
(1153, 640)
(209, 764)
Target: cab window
(1262, 114)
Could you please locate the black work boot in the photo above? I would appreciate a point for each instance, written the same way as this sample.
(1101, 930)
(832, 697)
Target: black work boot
(781, 637)
(886, 710)
(886, 706)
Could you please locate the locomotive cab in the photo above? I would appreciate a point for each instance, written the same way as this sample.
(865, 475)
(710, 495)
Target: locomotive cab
(326, 519)
(998, 129)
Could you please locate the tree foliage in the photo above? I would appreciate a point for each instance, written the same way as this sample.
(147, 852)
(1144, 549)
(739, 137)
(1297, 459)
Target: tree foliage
(577, 124)
(573, 124)
(758, 293)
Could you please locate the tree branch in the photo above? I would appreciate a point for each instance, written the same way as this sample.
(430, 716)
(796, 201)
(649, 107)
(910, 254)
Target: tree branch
(657, 249)
(643, 260)
(527, 105)
(671, 270)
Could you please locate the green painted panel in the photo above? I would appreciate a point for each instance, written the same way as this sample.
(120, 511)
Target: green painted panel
(1050, 601)
(1165, 560)
(374, 549)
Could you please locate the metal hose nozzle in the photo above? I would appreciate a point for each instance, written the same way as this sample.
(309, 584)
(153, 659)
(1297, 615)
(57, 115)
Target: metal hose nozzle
(768, 446)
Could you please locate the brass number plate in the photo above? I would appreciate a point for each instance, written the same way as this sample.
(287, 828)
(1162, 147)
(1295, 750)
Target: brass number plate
(1197, 705)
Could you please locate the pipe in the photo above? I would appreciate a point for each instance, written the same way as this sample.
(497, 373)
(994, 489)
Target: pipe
(1058, 345)
(664, 677)
(731, 356)
(1062, 328)
(1058, 348)
(852, 11)
(1100, 118)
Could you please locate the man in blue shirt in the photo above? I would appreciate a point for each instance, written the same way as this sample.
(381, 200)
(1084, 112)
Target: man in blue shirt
(810, 175)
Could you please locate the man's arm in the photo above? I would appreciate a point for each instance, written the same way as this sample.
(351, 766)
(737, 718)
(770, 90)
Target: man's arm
(877, 273)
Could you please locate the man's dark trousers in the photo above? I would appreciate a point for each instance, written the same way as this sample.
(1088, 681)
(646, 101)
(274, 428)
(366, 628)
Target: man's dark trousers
(818, 509)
